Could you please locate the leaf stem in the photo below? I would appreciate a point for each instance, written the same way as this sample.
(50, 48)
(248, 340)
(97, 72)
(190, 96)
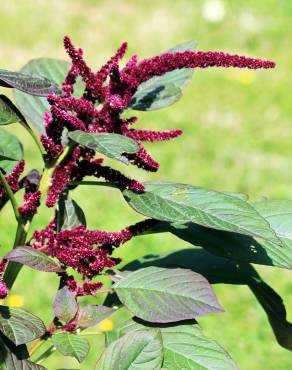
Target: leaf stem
(36, 345)
(10, 196)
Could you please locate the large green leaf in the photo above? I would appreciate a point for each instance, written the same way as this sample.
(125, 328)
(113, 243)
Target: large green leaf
(222, 270)
(133, 351)
(10, 147)
(110, 145)
(19, 325)
(65, 306)
(226, 244)
(166, 295)
(69, 213)
(160, 92)
(15, 357)
(33, 107)
(185, 346)
(33, 258)
(9, 113)
(90, 315)
(241, 248)
(71, 345)
(28, 83)
(182, 203)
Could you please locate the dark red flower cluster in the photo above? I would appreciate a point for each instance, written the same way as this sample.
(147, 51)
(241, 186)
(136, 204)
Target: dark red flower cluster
(107, 93)
(86, 251)
(31, 204)
(82, 288)
(77, 248)
(13, 179)
(113, 88)
(161, 64)
(61, 177)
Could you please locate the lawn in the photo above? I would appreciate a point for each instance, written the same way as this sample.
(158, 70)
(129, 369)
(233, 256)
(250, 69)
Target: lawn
(237, 124)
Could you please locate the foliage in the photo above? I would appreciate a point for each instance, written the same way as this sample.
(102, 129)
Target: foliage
(85, 115)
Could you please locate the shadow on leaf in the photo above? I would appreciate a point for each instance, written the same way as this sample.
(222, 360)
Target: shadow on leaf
(222, 270)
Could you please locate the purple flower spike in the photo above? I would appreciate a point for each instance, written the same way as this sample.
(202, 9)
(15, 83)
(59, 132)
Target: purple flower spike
(31, 204)
(161, 64)
(61, 177)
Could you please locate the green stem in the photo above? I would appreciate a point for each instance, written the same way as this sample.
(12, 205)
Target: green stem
(90, 333)
(36, 345)
(10, 196)
(45, 355)
(13, 268)
(34, 137)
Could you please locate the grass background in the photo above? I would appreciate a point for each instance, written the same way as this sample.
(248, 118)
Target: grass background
(237, 123)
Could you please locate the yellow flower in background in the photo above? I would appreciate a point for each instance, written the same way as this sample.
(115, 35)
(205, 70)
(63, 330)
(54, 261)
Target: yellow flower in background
(15, 300)
(106, 325)
(245, 77)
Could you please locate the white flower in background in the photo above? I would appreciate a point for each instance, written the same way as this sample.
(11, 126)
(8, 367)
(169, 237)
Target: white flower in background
(249, 22)
(213, 11)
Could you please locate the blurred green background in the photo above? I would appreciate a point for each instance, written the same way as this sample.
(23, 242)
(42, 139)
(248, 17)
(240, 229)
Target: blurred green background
(237, 124)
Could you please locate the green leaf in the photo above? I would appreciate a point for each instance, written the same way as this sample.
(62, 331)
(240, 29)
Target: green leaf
(71, 345)
(279, 215)
(65, 306)
(90, 315)
(33, 258)
(27, 83)
(15, 358)
(242, 248)
(110, 145)
(10, 147)
(166, 295)
(33, 107)
(133, 351)
(222, 270)
(69, 213)
(160, 92)
(182, 203)
(226, 244)
(19, 325)
(185, 346)
(9, 113)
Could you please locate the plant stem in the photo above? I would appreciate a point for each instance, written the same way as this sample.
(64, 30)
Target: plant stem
(90, 333)
(36, 345)
(10, 195)
(34, 137)
(50, 168)
(45, 355)
(13, 268)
